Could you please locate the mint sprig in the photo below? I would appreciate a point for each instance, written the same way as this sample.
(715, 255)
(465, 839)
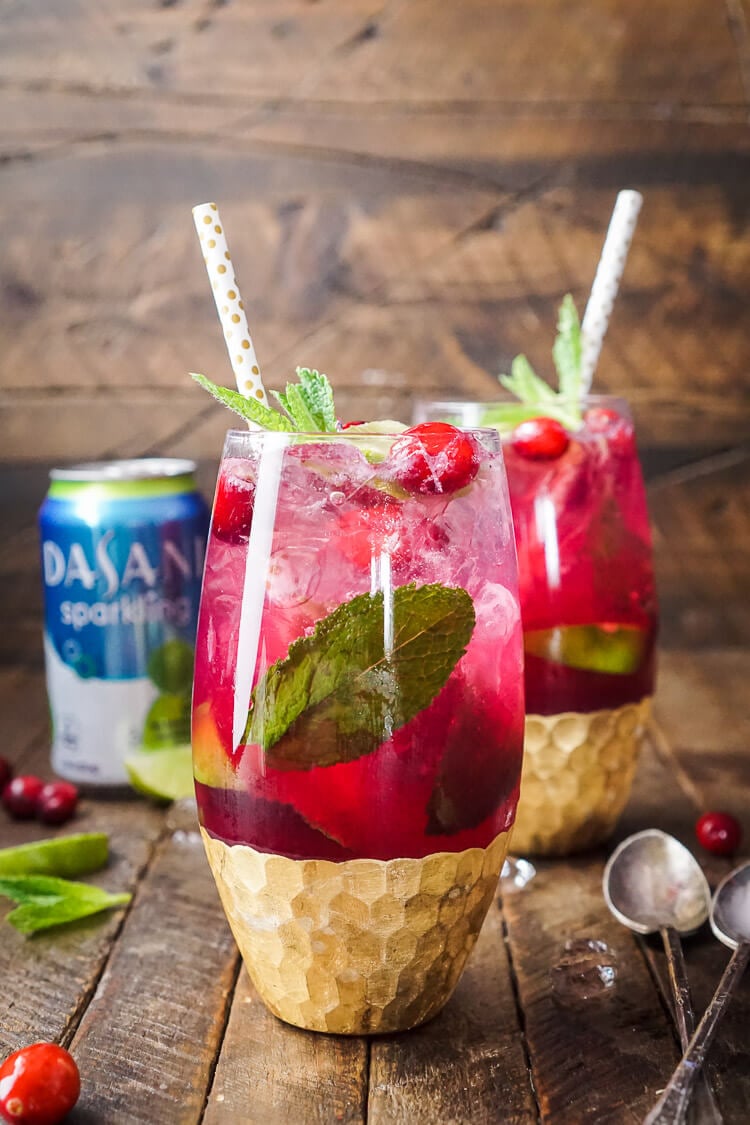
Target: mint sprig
(306, 406)
(341, 692)
(46, 901)
(534, 393)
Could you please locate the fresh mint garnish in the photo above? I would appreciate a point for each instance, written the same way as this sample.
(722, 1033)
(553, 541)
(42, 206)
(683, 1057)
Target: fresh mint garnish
(307, 405)
(46, 901)
(536, 396)
(340, 693)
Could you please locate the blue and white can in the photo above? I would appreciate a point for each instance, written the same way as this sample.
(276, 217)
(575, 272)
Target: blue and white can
(122, 547)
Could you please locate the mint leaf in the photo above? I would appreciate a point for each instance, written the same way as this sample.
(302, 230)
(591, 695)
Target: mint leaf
(538, 397)
(248, 408)
(297, 407)
(317, 393)
(525, 384)
(567, 349)
(46, 901)
(338, 694)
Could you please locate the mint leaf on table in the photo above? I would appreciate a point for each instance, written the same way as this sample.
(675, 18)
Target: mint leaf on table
(536, 397)
(338, 694)
(46, 901)
(306, 406)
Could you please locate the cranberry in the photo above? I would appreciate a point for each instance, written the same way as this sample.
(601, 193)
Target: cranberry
(21, 796)
(57, 802)
(233, 507)
(434, 458)
(5, 773)
(39, 1085)
(346, 425)
(540, 439)
(719, 832)
(599, 419)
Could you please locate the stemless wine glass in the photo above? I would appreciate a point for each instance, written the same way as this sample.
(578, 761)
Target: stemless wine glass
(589, 611)
(357, 719)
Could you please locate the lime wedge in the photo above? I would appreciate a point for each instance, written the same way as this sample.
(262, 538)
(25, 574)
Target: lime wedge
(165, 774)
(378, 438)
(616, 649)
(66, 856)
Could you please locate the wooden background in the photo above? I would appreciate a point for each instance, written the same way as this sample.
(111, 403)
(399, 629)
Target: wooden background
(409, 187)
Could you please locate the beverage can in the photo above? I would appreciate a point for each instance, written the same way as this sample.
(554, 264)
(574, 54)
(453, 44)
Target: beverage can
(122, 547)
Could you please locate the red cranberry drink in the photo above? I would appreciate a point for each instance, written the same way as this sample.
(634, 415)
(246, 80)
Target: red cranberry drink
(587, 599)
(358, 711)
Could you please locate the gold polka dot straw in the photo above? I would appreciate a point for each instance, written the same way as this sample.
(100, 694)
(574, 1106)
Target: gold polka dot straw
(226, 293)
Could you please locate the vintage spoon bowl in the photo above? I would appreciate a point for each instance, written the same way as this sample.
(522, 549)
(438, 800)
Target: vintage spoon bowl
(730, 909)
(651, 881)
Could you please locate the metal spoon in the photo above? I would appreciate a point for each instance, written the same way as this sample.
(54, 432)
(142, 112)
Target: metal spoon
(730, 922)
(651, 883)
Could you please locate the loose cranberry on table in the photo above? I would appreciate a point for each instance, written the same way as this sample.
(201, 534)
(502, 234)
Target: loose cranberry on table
(540, 439)
(39, 1085)
(434, 457)
(719, 832)
(57, 802)
(21, 796)
(5, 773)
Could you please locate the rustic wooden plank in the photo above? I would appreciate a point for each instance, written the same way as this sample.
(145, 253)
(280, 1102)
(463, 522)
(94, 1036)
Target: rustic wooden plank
(272, 1074)
(684, 774)
(701, 517)
(364, 52)
(148, 1040)
(48, 979)
(468, 1064)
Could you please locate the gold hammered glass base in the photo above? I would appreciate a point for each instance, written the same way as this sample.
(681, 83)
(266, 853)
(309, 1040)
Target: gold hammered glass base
(359, 947)
(576, 778)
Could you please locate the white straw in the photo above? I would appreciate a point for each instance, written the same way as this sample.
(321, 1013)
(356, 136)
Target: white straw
(256, 575)
(228, 301)
(607, 281)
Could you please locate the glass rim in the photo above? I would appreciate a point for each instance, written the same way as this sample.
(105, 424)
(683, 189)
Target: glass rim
(495, 403)
(344, 435)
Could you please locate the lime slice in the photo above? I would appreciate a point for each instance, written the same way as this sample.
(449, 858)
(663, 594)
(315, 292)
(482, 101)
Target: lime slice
(170, 666)
(165, 774)
(167, 722)
(616, 649)
(66, 856)
(378, 438)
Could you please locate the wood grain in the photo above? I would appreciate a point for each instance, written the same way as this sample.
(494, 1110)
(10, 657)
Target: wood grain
(273, 1074)
(424, 1076)
(147, 1042)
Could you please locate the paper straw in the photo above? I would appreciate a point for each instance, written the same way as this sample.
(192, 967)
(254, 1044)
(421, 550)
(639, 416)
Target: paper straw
(607, 281)
(228, 301)
(256, 572)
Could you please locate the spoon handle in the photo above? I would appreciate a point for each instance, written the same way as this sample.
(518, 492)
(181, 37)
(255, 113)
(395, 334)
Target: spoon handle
(672, 1105)
(706, 1107)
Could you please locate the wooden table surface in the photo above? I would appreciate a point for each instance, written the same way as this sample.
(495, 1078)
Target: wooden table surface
(561, 1014)
(409, 187)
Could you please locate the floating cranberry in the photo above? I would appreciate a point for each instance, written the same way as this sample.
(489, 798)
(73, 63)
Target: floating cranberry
(5, 773)
(346, 425)
(599, 419)
(57, 802)
(540, 439)
(39, 1085)
(21, 796)
(434, 458)
(233, 507)
(719, 832)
